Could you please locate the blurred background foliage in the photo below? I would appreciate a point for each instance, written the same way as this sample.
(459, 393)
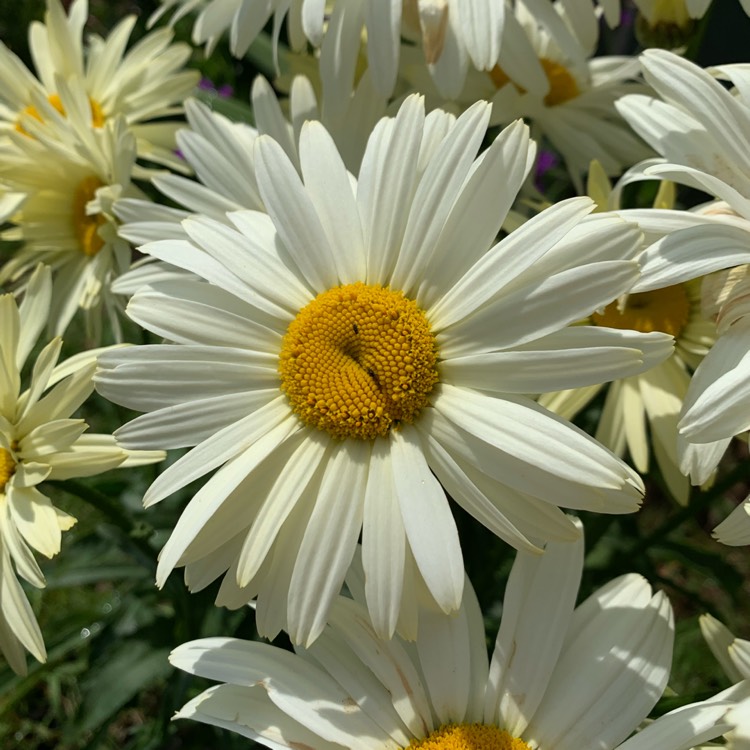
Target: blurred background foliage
(107, 683)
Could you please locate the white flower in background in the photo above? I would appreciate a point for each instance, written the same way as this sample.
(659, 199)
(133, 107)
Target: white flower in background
(705, 147)
(546, 72)
(718, 401)
(571, 101)
(339, 29)
(561, 677)
(39, 440)
(221, 154)
(642, 410)
(347, 347)
(66, 219)
(146, 83)
(733, 654)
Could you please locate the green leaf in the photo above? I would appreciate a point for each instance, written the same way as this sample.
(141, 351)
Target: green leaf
(130, 668)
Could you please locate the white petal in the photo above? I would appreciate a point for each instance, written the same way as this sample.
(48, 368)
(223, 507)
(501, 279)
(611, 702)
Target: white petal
(541, 589)
(294, 215)
(383, 543)
(428, 522)
(327, 183)
(386, 184)
(507, 261)
(329, 541)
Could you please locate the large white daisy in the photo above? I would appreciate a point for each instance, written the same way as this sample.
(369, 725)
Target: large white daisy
(146, 83)
(359, 349)
(560, 677)
(39, 440)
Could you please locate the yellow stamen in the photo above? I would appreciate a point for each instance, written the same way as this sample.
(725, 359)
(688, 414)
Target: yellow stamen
(358, 360)
(86, 226)
(7, 467)
(666, 310)
(562, 84)
(469, 737)
(97, 115)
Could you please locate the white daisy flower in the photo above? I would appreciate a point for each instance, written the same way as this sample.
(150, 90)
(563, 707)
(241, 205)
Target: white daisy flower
(346, 359)
(571, 101)
(733, 654)
(220, 152)
(642, 410)
(546, 72)
(146, 83)
(560, 677)
(39, 440)
(66, 218)
(705, 147)
(347, 32)
(716, 404)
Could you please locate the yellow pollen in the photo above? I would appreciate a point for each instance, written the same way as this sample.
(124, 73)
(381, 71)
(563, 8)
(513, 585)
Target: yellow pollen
(86, 226)
(469, 737)
(7, 467)
(97, 116)
(562, 84)
(666, 310)
(358, 360)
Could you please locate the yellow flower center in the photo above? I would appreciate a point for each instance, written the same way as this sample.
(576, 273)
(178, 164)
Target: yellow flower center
(7, 467)
(358, 360)
(666, 310)
(562, 84)
(97, 116)
(469, 737)
(670, 12)
(86, 226)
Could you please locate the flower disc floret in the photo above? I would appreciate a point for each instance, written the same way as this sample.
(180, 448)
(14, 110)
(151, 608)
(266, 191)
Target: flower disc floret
(7, 467)
(358, 360)
(97, 114)
(86, 226)
(469, 737)
(666, 310)
(562, 85)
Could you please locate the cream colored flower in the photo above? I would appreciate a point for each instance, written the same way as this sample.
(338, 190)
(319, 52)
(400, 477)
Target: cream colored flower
(143, 84)
(70, 177)
(40, 440)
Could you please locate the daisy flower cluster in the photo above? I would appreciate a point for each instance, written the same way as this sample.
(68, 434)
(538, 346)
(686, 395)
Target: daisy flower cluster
(410, 296)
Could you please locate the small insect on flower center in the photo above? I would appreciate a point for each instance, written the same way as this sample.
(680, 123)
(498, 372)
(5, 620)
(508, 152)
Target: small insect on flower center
(358, 360)
(469, 737)
(666, 310)
(86, 226)
(562, 85)
(97, 115)
(7, 467)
